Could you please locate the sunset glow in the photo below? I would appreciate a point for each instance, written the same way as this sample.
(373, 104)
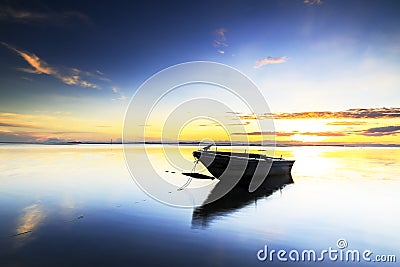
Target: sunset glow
(327, 79)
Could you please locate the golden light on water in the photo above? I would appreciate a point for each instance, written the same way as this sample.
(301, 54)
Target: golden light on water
(32, 216)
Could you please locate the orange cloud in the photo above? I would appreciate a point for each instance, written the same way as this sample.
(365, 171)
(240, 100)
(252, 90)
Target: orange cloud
(355, 113)
(39, 66)
(270, 60)
(346, 123)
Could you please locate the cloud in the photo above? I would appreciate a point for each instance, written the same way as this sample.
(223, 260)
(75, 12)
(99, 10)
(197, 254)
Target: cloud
(16, 137)
(70, 76)
(346, 123)
(39, 66)
(212, 124)
(220, 41)
(287, 134)
(117, 91)
(15, 120)
(18, 125)
(270, 60)
(381, 131)
(239, 124)
(326, 134)
(313, 2)
(8, 13)
(355, 113)
(120, 98)
(256, 133)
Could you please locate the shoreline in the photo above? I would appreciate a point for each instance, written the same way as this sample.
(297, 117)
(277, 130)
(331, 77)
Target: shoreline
(222, 144)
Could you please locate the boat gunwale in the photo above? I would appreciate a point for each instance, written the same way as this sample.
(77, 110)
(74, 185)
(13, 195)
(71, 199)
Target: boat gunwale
(227, 154)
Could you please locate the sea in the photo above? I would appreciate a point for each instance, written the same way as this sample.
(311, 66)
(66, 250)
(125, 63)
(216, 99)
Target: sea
(110, 205)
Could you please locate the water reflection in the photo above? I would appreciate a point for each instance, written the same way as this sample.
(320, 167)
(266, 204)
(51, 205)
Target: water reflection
(29, 221)
(79, 202)
(236, 199)
(32, 216)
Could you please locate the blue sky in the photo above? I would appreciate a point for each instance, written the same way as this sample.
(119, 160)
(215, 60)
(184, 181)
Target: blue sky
(86, 59)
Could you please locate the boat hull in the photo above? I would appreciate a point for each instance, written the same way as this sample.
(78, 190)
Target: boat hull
(241, 165)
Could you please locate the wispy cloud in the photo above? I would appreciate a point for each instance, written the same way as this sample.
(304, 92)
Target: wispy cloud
(70, 76)
(240, 123)
(212, 124)
(117, 91)
(355, 113)
(17, 125)
(313, 2)
(346, 123)
(9, 13)
(15, 120)
(38, 65)
(258, 133)
(372, 132)
(270, 60)
(220, 41)
(326, 134)
(288, 134)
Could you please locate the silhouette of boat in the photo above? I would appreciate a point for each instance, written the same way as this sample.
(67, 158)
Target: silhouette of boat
(248, 168)
(237, 198)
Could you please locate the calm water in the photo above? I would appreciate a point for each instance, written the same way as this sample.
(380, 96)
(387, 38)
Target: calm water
(79, 206)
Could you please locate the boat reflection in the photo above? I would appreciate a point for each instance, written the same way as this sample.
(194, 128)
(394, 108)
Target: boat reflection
(238, 198)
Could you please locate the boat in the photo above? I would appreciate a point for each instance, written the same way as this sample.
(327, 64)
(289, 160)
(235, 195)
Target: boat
(247, 168)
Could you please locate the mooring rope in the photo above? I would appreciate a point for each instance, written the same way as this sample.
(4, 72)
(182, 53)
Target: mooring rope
(190, 177)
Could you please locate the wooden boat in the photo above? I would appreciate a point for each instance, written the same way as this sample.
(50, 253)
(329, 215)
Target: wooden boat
(245, 167)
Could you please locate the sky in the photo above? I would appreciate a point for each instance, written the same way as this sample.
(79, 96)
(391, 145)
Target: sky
(329, 70)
